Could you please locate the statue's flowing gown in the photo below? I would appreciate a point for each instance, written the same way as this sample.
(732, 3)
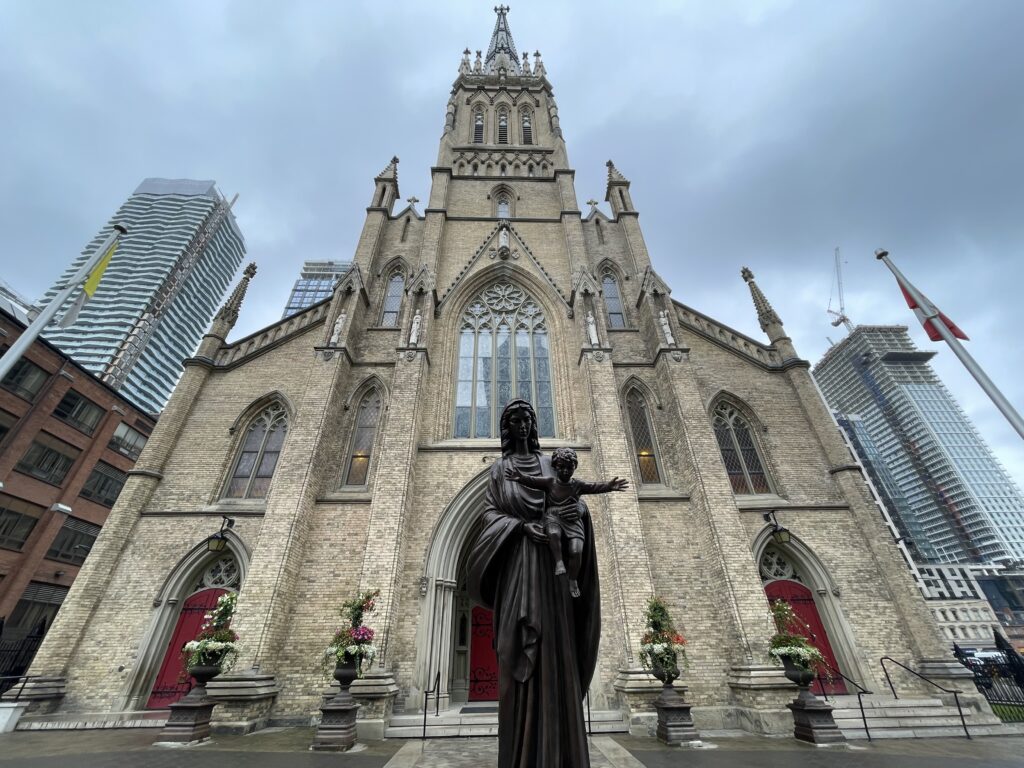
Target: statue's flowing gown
(545, 640)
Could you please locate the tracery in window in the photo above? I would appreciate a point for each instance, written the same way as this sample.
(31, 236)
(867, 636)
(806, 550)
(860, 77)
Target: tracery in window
(364, 434)
(613, 301)
(504, 353)
(742, 463)
(392, 300)
(257, 457)
(643, 437)
(775, 565)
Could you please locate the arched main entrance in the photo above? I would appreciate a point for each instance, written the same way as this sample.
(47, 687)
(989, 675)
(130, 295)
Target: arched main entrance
(453, 643)
(785, 578)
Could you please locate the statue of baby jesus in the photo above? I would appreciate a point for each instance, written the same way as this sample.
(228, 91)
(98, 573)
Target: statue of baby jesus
(563, 510)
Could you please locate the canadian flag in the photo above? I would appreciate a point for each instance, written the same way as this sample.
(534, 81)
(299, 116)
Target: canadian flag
(927, 313)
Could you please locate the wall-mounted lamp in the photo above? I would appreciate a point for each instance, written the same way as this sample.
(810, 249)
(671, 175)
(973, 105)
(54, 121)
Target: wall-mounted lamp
(219, 541)
(780, 534)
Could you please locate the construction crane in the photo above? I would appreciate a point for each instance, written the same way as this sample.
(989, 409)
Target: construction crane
(837, 282)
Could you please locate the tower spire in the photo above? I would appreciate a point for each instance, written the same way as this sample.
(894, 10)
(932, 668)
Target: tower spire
(768, 318)
(501, 53)
(228, 314)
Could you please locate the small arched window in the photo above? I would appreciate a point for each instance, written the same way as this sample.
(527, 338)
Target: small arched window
(257, 457)
(478, 126)
(613, 301)
(392, 300)
(736, 442)
(504, 206)
(527, 128)
(364, 433)
(503, 127)
(643, 437)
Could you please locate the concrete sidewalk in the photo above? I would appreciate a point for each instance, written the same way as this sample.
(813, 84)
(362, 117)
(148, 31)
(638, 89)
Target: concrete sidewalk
(289, 748)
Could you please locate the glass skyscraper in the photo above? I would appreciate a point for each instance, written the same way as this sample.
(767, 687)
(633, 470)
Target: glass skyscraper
(951, 496)
(315, 283)
(160, 291)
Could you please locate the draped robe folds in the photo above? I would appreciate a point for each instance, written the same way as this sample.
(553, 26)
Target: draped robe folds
(546, 641)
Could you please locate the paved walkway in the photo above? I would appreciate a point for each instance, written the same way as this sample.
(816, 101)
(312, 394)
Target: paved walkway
(289, 748)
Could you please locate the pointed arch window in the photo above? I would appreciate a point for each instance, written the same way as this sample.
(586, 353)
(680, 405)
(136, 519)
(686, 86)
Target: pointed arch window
(478, 126)
(739, 452)
(364, 433)
(527, 127)
(643, 437)
(613, 301)
(504, 353)
(257, 457)
(503, 126)
(504, 206)
(392, 300)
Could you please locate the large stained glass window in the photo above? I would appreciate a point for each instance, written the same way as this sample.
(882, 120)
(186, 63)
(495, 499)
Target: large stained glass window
(613, 301)
(392, 300)
(257, 458)
(643, 437)
(504, 353)
(363, 435)
(746, 473)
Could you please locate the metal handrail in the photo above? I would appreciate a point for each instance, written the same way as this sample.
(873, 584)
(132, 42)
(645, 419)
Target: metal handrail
(436, 690)
(24, 681)
(956, 696)
(861, 690)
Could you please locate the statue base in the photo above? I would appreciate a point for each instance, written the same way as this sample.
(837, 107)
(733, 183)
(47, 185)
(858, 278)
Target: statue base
(675, 723)
(813, 721)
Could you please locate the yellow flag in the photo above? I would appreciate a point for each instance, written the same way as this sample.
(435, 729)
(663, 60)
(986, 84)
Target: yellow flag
(92, 282)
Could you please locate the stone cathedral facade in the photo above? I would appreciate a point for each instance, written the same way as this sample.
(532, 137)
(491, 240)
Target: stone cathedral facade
(350, 445)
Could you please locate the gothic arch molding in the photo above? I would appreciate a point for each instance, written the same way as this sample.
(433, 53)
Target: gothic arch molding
(442, 561)
(826, 598)
(633, 381)
(758, 430)
(257, 405)
(373, 380)
(166, 606)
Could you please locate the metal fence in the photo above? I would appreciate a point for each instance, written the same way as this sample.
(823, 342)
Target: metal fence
(15, 657)
(999, 677)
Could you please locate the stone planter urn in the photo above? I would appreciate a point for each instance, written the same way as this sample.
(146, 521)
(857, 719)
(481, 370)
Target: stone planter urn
(189, 722)
(812, 717)
(675, 723)
(337, 729)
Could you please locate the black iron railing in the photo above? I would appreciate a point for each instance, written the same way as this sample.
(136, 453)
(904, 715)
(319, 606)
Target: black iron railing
(10, 682)
(436, 691)
(956, 694)
(861, 690)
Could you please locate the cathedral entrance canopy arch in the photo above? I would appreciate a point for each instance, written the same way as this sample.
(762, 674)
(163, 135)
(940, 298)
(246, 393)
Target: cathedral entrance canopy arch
(443, 574)
(794, 574)
(200, 576)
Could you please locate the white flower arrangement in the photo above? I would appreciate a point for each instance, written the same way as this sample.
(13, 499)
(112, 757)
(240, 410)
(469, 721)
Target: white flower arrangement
(806, 656)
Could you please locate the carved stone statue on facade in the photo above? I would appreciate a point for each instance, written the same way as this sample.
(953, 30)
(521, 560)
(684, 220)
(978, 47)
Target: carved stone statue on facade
(592, 330)
(414, 332)
(338, 325)
(546, 641)
(667, 328)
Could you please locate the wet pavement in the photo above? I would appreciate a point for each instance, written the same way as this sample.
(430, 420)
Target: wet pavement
(289, 748)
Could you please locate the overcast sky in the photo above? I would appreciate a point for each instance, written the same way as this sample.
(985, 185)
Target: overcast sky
(763, 134)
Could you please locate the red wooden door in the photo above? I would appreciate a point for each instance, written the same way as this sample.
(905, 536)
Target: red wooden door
(483, 661)
(802, 601)
(173, 681)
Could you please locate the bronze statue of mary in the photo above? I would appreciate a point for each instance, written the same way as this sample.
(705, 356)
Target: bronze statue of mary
(546, 641)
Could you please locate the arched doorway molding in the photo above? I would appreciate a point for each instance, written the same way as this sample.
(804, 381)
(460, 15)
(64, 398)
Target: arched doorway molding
(167, 605)
(438, 587)
(817, 578)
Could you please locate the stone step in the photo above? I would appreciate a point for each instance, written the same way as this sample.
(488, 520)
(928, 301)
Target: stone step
(82, 721)
(875, 701)
(454, 723)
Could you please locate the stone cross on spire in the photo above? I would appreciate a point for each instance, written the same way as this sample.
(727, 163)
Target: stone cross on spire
(593, 204)
(501, 53)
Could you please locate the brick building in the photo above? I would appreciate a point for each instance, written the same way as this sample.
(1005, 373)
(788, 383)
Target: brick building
(351, 444)
(67, 442)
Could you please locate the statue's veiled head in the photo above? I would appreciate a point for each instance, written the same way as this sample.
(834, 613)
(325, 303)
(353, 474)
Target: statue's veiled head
(515, 410)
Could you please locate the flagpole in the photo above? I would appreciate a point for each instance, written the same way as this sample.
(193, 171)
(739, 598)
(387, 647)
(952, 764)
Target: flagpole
(29, 335)
(931, 313)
